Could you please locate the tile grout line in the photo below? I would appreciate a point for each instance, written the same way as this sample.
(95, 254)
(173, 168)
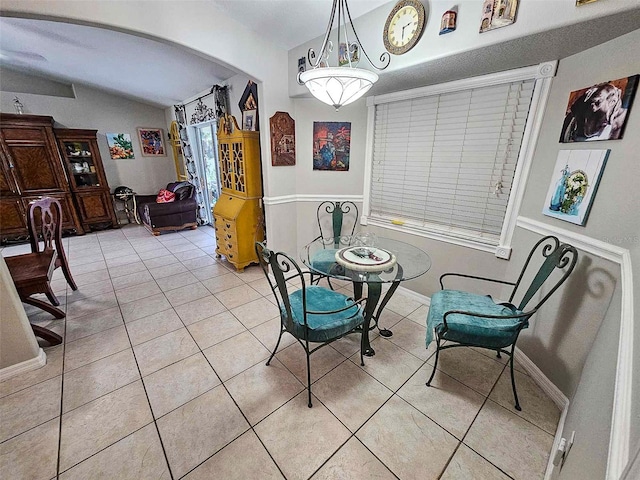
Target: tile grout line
(251, 427)
(474, 420)
(144, 387)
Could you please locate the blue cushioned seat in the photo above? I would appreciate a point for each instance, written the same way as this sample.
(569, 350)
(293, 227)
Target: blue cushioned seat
(324, 259)
(326, 326)
(469, 329)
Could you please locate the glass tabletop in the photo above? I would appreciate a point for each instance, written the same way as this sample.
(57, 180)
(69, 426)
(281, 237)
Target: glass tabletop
(335, 257)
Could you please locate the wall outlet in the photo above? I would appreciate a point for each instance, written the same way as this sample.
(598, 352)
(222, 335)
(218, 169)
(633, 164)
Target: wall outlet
(560, 456)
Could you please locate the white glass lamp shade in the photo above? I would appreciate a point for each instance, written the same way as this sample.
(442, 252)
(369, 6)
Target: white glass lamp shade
(338, 86)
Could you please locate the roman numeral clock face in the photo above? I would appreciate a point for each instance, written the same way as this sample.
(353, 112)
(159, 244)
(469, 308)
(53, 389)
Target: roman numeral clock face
(404, 26)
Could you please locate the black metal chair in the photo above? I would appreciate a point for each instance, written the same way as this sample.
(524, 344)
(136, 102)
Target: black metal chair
(311, 313)
(472, 320)
(335, 219)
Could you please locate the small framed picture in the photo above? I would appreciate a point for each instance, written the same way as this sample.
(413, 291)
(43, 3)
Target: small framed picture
(152, 142)
(120, 146)
(249, 120)
(574, 183)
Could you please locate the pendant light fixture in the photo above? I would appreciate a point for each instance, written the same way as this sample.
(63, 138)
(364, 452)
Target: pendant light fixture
(344, 83)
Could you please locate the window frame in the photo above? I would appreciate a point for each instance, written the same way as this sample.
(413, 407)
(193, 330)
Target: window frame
(543, 75)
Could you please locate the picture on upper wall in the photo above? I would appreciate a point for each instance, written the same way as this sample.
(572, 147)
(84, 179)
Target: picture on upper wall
(497, 13)
(283, 140)
(152, 142)
(574, 183)
(331, 145)
(599, 112)
(120, 146)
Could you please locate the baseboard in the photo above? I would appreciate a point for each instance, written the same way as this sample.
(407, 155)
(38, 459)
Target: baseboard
(554, 394)
(24, 367)
(423, 299)
(541, 379)
(556, 442)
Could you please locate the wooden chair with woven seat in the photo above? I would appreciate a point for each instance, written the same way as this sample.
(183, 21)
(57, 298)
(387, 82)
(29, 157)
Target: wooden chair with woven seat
(32, 272)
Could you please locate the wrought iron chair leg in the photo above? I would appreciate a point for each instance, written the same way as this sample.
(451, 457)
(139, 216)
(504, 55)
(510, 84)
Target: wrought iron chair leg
(309, 376)
(362, 347)
(275, 349)
(329, 282)
(513, 381)
(498, 354)
(435, 364)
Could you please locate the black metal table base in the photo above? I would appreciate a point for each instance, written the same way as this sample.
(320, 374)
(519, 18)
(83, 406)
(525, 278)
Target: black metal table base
(374, 292)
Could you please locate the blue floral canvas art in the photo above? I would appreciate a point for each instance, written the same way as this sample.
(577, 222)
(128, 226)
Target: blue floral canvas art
(574, 182)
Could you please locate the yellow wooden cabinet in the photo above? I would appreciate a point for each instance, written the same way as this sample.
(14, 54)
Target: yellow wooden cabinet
(238, 211)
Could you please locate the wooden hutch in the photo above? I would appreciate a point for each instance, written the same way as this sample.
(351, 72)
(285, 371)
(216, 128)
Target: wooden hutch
(32, 166)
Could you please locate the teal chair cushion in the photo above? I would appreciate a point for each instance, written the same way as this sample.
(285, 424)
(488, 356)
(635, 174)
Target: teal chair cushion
(323, 327)
(324, 259)
(469, 329)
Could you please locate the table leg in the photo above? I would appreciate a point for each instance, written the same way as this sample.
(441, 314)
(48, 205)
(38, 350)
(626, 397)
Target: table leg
(373, 297)
(386, 332)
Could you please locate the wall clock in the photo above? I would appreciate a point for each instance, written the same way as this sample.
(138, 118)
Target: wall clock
(404, 26)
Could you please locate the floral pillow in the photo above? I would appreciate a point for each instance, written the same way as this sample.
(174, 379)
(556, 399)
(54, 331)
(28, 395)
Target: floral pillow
(165, 196)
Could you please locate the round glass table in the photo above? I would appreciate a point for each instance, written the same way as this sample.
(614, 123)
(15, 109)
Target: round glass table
(388, 261)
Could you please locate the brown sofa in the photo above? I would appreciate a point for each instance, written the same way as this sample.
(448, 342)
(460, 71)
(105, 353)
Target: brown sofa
(176, 215)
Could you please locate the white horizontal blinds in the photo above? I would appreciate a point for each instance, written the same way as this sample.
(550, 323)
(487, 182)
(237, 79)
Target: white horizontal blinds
(438, 159)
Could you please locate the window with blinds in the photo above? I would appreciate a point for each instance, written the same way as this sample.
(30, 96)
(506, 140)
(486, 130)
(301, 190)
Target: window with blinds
(447, 161)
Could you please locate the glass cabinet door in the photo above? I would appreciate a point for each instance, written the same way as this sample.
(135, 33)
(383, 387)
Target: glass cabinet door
(81, 167)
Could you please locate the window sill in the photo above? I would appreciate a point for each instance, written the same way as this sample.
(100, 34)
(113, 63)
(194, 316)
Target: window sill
(459, 238)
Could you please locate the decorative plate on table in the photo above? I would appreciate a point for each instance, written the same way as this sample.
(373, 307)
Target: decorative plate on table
(365, 260)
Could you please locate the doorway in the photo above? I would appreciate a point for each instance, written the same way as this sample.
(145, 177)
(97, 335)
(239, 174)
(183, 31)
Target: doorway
(206, 159)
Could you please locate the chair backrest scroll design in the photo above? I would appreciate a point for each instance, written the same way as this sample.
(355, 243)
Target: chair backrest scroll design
(561, 256)
(337, 210)
(281, 264)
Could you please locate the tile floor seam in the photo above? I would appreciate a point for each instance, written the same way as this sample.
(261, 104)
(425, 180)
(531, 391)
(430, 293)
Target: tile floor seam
(146, 393)
(462, 441)
(436, 421)
(251, 427)
(64, 354)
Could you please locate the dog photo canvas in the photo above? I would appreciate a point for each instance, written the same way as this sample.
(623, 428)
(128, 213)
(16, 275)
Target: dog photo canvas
(599, 112)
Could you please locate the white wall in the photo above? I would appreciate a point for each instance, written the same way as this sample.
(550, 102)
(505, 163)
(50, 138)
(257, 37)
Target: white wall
(97, 110)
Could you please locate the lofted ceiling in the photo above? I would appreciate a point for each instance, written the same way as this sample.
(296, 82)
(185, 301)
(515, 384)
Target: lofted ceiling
(147, 70)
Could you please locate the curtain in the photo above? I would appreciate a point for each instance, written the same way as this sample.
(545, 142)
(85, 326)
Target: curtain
(190, 164)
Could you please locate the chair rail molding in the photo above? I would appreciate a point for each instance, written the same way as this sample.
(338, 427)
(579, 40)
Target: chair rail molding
(279, 200)
(618, 455)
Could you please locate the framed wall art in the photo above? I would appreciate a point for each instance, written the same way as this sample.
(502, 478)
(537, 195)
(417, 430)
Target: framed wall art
(249, 120)
(331, 145)
(249, 101)
(599, 112)
(120, 147)
(283, 139)
(574, 183)
(497, 13)
(152, 142)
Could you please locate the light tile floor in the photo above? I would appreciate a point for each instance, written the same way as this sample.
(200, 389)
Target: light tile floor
(162, 375)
